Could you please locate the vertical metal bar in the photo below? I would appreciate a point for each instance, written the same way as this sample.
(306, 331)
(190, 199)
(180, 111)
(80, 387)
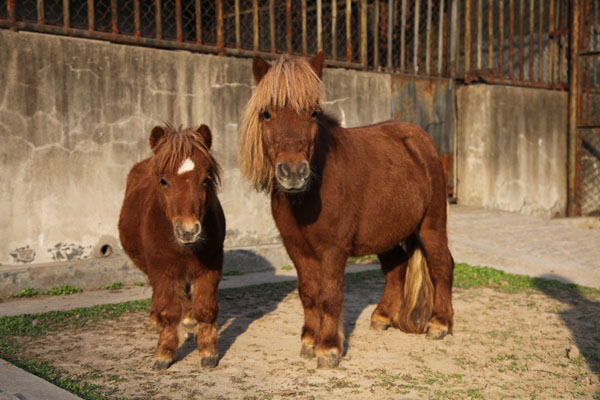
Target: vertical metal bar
(220, 36)
(511, 39)
(255, 25)
(136, 18)
(541, 43)
(363, 32)
(453, 37)
(236, 12)
(531, 30)
(390, 20)
(348, 31)
(66, 14)
(416, 37)
(199, 22)
(573, 207)
(90, 15)
(440, 37)
(178, 28)
(490, 34)
(403, 36)
(319, 25)
(333, 29)
(40, 11)
(272, 25)
(521, 48)
(428, 39)
(563, 50)
(479, 32)
(456, 28)
(158, 19)
(501, 41)
(11, 10)
(376, 34)
(114, 16)
(467, 35)
(288, 25)
(550, 40)
(304, 44)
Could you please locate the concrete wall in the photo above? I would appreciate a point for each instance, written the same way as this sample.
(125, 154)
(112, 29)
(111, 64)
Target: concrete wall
(75, 116)
(512, 149)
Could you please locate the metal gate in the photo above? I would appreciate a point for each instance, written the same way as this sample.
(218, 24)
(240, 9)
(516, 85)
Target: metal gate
(584, 151)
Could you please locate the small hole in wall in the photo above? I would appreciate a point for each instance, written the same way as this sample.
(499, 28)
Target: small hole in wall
(106, 250)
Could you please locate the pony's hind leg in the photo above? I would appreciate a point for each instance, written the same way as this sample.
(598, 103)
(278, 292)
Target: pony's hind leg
(205, 310)
(393, 264)
(441, 267)
(166, 309)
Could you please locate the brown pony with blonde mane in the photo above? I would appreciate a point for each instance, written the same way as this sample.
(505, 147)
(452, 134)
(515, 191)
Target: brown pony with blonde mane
(337, 192)
(172, 227)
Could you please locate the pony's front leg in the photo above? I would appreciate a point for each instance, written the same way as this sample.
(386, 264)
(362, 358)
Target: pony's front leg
(166, 310)
(308, 288)
(205, 310)
(330, 339)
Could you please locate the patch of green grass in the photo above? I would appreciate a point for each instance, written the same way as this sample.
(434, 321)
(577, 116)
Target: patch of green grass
(356, 260)
(232, 272)
(139, 284)
(63, 290)
(27, 292)
(467, 276)
(38, 324)
(286, 267)
(115, 285)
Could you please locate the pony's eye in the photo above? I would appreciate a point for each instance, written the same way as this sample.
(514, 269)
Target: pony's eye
(266, 115)
(206, 181)
(314, 114)
(163, 181)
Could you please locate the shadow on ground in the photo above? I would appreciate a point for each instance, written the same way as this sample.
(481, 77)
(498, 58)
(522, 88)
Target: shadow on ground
(581, 315)
(234, 314)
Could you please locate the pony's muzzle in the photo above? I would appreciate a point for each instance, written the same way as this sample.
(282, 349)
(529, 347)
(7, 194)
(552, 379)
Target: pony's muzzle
(188, 233)
(292, 176)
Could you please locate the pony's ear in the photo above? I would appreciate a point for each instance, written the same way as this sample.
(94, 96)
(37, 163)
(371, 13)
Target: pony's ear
(155, 135)
(317, 64)
(204, 131)
(259, 68)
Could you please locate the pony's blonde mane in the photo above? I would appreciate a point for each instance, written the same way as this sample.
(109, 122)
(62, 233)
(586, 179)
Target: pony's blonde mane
(176, 145)
(290, 82)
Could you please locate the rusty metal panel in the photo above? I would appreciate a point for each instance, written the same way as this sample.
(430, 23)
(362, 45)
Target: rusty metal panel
(427, 103)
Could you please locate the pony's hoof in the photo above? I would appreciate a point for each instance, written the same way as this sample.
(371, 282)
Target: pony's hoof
(209, 362)
(379, 326)
(161, 365)
(307, 351)
(436, 332)
(329, 362)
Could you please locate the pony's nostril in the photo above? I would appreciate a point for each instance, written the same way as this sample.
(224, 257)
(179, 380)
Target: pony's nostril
(283, 170)
(196, 228)
(179, 231)
(303, 170)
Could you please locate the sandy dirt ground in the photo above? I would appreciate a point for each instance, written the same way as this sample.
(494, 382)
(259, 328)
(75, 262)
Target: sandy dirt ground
(505, 346)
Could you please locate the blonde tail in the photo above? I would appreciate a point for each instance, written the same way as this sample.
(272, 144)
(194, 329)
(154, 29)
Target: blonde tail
(417, 298)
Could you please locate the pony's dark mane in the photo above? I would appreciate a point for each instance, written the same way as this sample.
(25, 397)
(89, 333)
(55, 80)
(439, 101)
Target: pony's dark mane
(176, 145)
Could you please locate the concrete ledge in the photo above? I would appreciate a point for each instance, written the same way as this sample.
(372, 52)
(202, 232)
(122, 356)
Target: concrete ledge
(96, 273)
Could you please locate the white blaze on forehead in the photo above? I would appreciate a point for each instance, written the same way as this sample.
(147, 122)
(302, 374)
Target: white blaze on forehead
(188, 165)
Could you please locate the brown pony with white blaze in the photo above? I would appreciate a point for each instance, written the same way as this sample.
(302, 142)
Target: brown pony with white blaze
(172, 227)
(336, 192)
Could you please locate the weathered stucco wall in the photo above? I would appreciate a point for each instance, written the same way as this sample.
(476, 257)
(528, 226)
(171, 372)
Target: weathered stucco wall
(75, 116)
(512, 149)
